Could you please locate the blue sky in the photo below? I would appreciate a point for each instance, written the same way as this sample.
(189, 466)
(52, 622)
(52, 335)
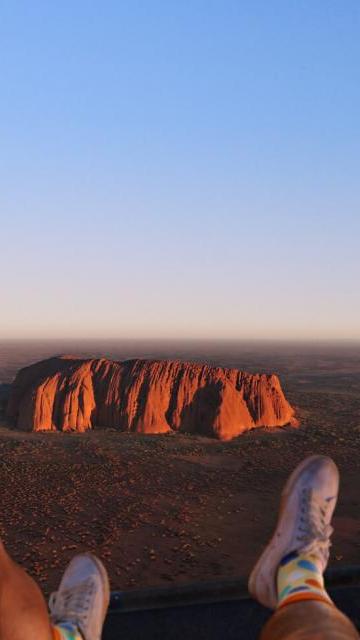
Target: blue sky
(180, 169)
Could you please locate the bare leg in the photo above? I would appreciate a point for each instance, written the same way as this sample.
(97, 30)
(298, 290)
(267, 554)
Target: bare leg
(309, 620)
(23, 611)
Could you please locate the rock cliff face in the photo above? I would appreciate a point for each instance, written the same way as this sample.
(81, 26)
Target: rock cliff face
(70, 394)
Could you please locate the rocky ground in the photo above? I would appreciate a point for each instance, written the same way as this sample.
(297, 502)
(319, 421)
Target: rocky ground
(160, 510)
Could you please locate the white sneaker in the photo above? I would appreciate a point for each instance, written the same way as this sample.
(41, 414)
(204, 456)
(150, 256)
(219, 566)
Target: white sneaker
(83, 596)
(307, 504)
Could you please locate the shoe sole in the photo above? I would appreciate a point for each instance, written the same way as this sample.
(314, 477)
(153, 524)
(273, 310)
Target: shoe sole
(278, 546)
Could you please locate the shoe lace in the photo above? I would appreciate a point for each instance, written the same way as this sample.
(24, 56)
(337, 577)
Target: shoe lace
(313, 532)
(72, 604)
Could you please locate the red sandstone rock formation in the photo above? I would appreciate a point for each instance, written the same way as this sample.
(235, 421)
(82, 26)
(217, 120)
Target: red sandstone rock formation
(70, 394)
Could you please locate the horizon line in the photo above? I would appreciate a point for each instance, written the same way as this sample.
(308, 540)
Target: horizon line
(183, 339)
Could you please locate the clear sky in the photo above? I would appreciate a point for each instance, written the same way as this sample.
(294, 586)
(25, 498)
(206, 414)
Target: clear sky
(180, 169)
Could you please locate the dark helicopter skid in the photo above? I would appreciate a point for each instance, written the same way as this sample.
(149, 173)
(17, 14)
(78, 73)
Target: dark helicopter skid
(210, 611)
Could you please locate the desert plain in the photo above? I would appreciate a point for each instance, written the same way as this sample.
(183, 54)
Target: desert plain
(170, 509)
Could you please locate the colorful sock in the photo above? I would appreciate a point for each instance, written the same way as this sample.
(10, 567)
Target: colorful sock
(299, 578)
(66, 631)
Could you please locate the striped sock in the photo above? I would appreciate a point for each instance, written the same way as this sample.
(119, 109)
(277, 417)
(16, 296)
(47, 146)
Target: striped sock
(299, 578)
(66, 631)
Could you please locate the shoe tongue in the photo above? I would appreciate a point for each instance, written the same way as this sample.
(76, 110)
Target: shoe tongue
(318, 553)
